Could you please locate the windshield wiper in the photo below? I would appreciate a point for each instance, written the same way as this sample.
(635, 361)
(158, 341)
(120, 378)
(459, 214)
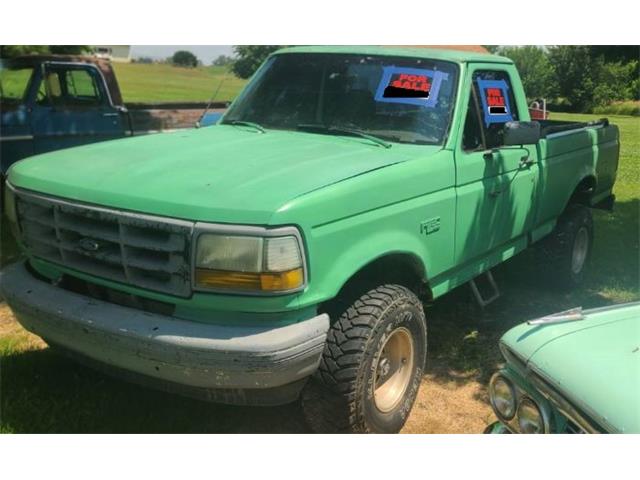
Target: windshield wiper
(242, 123)
(344, 131)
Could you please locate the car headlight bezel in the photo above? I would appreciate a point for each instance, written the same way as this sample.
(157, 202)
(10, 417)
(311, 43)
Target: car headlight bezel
(264, 272)
(528, 402)
(9, 204)
(508, 415)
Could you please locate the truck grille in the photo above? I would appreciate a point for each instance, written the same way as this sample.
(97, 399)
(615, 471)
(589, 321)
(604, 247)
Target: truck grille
(139, 250)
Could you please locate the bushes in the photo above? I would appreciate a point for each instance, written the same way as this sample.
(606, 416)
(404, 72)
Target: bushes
(615, 83)
(589, 78)
(250, 57)
(536, 71)
(184, 58)
(620, 108)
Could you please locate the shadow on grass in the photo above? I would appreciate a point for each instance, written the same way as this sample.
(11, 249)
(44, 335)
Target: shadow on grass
(42, 391)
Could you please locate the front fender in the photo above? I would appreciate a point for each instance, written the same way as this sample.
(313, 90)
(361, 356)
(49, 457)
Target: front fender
(339, 266)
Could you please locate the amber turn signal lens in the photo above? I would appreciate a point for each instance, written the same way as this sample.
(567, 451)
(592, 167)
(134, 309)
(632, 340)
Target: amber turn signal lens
(266, 282)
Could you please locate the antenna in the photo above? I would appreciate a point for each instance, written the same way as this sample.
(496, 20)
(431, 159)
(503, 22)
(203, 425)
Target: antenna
(213, 97)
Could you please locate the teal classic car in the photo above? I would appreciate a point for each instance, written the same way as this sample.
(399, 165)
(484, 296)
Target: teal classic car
(572, 372)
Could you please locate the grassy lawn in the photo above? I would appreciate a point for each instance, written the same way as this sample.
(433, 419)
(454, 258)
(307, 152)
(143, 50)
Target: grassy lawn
(166, 83)
(42, 392)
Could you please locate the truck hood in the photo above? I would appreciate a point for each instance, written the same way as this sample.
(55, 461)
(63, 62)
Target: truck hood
(594, 363)
(218, 174)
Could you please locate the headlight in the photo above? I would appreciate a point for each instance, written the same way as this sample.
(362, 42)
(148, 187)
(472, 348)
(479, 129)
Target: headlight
(10, 204)
(502, 396)
(530, 418)
(259, 264)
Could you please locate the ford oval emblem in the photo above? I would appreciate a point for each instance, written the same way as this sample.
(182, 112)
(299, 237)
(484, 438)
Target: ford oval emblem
(89, 244)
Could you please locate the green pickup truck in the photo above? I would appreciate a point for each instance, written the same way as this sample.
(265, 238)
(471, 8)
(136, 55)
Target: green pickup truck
(287, 251)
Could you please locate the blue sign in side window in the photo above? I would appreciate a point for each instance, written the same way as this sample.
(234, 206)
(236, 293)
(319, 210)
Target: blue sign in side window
(494, 95)
(412, 86)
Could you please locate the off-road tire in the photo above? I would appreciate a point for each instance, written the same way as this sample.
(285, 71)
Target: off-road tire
(339, 397)
(556, 253)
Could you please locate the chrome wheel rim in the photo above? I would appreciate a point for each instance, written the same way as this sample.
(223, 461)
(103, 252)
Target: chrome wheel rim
(580, 249)
(393, 370)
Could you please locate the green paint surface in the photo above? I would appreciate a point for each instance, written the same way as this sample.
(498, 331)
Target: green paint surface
(594, 363)
(353, 200)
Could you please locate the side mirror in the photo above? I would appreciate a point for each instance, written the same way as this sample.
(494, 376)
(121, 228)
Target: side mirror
(521, 133)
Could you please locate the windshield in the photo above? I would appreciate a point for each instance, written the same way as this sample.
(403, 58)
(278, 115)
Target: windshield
(406, 100)
(14, 83)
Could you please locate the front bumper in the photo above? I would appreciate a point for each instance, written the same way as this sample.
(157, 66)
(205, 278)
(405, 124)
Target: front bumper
(230, 364)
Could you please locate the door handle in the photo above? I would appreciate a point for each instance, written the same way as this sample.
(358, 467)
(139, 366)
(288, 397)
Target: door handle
(110, 114)
(526, 161)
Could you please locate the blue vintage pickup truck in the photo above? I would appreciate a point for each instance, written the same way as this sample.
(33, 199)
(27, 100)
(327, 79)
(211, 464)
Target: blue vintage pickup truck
(53, 102)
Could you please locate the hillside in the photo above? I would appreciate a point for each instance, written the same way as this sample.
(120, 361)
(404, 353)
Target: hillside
(166, 83)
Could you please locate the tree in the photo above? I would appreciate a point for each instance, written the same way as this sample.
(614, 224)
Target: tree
(587, 80)
(495, 49)
(616, 81)
(69, 49)
(10, 51)
(616, 53)
(250, 57)
(222, 61)
(536, 71)
(576, 74)
(184, 58)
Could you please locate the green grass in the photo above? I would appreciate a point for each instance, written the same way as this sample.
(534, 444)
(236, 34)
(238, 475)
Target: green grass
(630, 107)
(166, 83)
(43, 392)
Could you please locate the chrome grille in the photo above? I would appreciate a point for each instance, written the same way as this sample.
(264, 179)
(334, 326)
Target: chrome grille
(139, 250)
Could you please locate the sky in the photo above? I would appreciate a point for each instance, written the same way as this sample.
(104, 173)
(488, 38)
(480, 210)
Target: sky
(206, 53)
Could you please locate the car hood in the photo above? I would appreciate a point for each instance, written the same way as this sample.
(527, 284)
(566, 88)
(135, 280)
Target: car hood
(594, 363)
(219, 174)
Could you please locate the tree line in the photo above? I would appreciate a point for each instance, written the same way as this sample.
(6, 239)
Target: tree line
(577, 77)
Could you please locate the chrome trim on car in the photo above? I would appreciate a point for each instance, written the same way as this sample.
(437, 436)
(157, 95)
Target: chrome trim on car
(15, 138)
(521, 394)
(544, 388)
(563, 405)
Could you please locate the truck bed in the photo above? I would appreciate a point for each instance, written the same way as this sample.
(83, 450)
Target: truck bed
(550, 127)
(154, 117)
(577, 150)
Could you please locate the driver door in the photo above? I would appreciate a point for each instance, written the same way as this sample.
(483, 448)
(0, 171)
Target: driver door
(73, 108)
(495, 184)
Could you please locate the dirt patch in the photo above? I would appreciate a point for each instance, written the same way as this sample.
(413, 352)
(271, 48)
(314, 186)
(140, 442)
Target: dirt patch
(450, 406)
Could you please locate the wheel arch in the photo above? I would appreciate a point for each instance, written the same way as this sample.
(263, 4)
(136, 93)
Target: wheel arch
(403, 268)
(583, 191)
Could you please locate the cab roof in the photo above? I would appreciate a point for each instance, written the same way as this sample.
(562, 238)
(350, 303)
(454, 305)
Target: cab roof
(447, 54)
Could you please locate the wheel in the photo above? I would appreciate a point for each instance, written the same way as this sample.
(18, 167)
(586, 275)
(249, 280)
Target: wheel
(566, 253)
(371, 367)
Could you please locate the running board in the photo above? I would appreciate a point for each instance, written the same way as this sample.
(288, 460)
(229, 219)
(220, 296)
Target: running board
(494, 293)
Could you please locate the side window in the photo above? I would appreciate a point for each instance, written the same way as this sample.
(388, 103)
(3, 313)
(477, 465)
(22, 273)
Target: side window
(497, 104)
(82, 88)
(472, 136)
(70, 87)
(52, 90)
